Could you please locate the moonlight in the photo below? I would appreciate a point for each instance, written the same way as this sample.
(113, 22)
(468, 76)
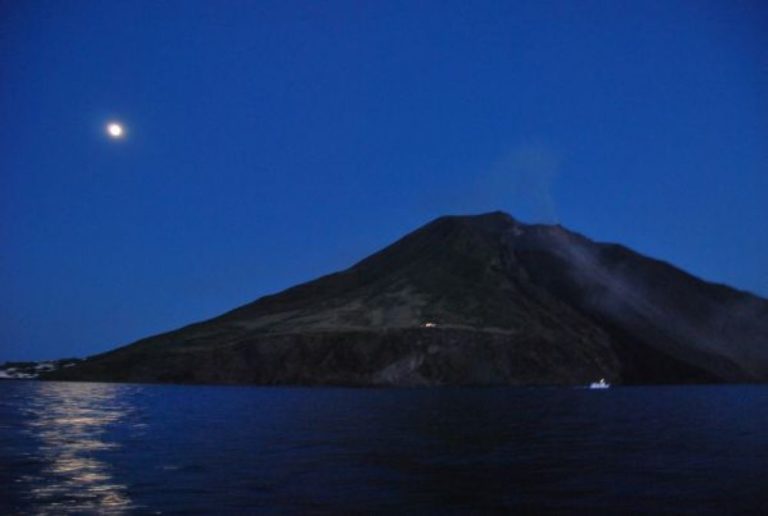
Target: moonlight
(115, 130)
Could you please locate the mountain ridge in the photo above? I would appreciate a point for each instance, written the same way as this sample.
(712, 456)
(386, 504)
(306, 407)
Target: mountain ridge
(542, 304)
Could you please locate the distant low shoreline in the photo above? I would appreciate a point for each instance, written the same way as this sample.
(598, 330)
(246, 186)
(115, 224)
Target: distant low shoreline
(32, 370)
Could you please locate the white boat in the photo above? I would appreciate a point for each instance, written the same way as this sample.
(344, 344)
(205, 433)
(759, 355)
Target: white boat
(602, 384)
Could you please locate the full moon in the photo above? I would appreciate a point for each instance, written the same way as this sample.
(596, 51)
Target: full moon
(115, 130)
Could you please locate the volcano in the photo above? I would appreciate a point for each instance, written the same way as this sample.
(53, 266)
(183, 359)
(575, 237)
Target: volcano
(469, 300)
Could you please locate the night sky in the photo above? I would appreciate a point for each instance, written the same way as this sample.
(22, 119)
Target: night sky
(268, 143)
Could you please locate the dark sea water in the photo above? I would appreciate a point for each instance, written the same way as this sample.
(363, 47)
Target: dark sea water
(101, 448)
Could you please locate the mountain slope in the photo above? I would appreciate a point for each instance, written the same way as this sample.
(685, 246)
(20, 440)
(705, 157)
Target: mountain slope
(507, 303)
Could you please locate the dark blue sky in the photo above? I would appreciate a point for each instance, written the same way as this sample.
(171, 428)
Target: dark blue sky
(271, 142)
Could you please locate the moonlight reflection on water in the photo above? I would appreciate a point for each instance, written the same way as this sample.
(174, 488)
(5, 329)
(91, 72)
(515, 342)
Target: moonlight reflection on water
(69, 448)
(69, 422)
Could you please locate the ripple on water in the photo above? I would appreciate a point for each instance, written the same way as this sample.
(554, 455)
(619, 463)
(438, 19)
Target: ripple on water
(66, 425)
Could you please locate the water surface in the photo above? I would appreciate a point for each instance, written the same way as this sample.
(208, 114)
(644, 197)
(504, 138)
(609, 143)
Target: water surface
(90, 447)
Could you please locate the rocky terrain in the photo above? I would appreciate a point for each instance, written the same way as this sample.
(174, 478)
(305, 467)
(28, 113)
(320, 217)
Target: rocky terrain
(469, 300)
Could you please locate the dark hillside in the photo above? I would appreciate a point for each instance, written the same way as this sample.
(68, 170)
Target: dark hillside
(470, 300)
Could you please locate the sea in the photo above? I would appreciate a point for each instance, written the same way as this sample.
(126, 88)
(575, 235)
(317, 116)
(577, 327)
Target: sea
(97, 448)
